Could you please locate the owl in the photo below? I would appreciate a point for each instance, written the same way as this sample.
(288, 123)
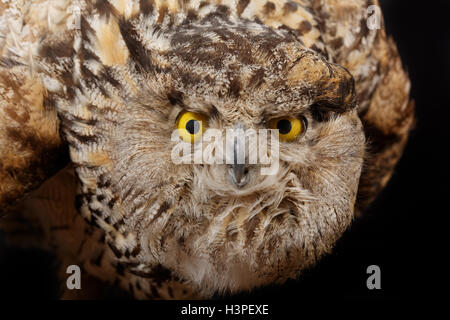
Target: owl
(93, 92)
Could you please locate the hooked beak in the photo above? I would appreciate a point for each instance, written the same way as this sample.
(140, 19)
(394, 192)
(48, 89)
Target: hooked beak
(239, 171)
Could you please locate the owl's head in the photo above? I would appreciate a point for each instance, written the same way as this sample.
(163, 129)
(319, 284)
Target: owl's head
(220, 226)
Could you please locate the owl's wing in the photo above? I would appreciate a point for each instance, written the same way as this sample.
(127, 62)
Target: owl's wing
(387, 121)
(354, 36)
(30, 146)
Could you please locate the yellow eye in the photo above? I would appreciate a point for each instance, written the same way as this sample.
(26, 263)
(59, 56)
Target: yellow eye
(191, 126)
(289, 128)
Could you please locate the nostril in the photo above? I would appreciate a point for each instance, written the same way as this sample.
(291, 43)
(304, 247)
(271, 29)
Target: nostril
(239, 174)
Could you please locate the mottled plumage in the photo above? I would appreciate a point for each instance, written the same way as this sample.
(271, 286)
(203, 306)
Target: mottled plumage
(107, 79)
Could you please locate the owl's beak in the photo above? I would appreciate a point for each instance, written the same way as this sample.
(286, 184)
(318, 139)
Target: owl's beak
(239, 170)
(239, 175)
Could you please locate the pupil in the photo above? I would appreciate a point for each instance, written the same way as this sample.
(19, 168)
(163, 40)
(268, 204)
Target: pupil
(284, 126)
(192, 126)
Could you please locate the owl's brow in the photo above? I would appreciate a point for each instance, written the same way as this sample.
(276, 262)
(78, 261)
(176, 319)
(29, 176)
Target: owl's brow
(206, 108)
(286, 107)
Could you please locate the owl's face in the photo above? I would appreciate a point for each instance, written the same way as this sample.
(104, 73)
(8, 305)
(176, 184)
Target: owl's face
(222, 226)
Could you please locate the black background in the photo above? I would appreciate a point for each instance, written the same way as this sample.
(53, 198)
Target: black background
(401, 232)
